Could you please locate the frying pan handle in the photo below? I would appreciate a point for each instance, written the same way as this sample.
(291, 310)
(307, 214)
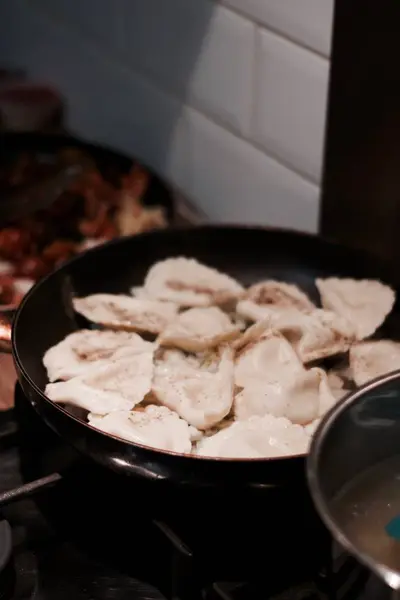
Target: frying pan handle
(6, 320)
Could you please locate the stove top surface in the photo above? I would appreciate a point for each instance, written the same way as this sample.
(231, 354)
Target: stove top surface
(93, 535)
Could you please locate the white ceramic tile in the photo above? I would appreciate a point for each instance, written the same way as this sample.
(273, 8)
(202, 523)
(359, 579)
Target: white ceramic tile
(99, 18)
(308, 21)
(198, 50)
(290, 103)
(234, 182)
(231, 180)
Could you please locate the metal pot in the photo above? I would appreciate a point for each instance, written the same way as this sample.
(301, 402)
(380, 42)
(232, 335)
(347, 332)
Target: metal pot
(355, 448)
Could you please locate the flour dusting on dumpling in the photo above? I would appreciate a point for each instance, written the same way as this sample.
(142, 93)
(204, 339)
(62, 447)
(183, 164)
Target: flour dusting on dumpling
(267, 359)
(124, 312)
(316, 335)
(199, 329)
(189, 283)
(86, 348)
(300, 398)
(201, 395)
(119, 385)
(267, 298)
(257, 437)
(364, 303)
(154, 426)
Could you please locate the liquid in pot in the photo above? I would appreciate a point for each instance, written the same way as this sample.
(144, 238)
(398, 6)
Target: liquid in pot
(365, 506)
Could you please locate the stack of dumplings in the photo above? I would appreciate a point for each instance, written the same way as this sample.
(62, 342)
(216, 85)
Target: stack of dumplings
(192, 362)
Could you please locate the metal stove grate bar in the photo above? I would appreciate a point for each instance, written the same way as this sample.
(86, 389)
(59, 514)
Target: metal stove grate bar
(28, 489)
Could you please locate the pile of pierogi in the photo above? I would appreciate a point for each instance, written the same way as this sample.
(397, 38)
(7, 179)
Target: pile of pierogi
(192, 362)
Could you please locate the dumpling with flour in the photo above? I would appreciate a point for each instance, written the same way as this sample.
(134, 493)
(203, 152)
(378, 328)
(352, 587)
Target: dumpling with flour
(187, 282)
(373, 359)
(154, 426)
(264, 357)
(201, 394)
(87, 348)
(271, 298)
(199, 329)
(121, 384)
(257, 437)
(364, 303)
(316, 335)
(126, 313)
(301, 398)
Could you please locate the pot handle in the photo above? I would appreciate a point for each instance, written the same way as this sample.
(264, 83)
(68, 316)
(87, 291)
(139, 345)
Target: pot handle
(6, 320)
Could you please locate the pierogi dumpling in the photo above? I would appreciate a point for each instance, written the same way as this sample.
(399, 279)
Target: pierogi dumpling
(373, 359)
(202, 395)
(154, 426)
(120, 385)
(87, 348)
(126, 313)
(257, 437)
(189, 283)
(199, 329)
(364, 303)
(268, 298)
(301, 399)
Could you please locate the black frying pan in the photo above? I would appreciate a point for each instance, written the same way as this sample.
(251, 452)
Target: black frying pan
(249, 254)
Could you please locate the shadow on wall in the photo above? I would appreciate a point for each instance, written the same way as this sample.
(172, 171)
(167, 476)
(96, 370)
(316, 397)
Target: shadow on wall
(110, 60)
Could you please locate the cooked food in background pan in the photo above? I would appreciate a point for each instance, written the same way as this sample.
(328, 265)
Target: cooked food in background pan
(95, 209)
(192, 362)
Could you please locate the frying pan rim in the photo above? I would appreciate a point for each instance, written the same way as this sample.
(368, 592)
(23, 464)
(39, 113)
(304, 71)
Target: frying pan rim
(117, 241)
(312, 460)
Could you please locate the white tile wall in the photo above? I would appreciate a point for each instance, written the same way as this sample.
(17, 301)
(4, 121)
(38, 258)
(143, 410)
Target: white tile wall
(290, 99)
(308, 22)
(234, 180)
(197, 50)
(212, 96)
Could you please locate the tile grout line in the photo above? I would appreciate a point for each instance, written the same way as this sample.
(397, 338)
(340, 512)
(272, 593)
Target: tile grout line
(254, 73)
(271, 29)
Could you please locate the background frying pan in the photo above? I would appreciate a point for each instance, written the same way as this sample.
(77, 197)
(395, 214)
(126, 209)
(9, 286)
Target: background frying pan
(111, 163)
(249, 254)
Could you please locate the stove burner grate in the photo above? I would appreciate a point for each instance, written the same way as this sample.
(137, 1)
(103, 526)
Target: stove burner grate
(50, 561)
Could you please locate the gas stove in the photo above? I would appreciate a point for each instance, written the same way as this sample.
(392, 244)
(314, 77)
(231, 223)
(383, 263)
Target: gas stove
(80, 532)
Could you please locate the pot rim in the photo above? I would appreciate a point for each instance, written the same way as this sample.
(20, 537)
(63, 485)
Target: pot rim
(389, 576)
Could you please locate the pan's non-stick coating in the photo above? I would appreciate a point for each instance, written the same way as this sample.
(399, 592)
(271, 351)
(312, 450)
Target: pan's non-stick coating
(249, 254)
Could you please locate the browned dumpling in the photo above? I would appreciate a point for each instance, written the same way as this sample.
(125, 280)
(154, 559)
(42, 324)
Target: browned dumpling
(316, 335)
(199, 329)
(364, 303)
(373, 359)
(126, 313)
(84, 349)
(268, 298)
(189, 283)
